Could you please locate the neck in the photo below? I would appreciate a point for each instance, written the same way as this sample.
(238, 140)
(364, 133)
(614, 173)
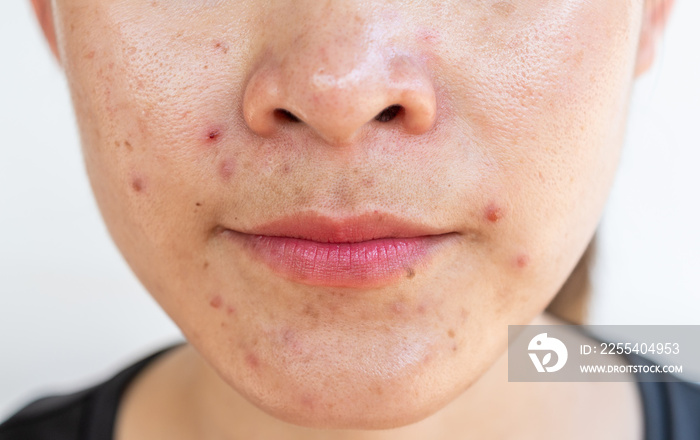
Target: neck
(205, 407)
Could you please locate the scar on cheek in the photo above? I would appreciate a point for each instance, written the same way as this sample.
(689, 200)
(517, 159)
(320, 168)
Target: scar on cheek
(227, 168)
(493, 213)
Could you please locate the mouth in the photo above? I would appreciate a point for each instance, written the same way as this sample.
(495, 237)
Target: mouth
(366, 251)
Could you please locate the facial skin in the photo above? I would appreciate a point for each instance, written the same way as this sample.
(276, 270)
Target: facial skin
(512, 123)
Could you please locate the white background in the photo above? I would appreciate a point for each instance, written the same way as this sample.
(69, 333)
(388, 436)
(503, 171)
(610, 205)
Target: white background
(71, 312)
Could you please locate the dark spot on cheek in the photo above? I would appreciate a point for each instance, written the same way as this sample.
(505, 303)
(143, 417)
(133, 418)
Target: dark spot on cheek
(221, 46)
(227, 168)
(198, 204)
(216, 302)
(206, 264)
(493, 213)
(451, 333)
(128, 146)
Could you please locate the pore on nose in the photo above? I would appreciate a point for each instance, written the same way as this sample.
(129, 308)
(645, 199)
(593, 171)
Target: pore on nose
(389, 91)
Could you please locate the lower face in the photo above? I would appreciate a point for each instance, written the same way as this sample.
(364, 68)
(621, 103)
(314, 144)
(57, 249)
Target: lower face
(531, 102)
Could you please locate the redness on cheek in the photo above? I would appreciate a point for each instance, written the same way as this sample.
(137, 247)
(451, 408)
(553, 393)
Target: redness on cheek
(493, 213)
(216, 302)
(226, 169)
(252, 361)
(521, 261)
(138, 183)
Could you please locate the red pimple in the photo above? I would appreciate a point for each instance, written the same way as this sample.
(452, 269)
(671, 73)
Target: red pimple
(137, 184)
(230, 310)
(522, 260)
(214, 134)
(493, 213)
(216, 302)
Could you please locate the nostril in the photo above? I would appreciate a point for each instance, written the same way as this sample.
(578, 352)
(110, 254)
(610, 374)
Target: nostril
(388, 113)
(285, 114)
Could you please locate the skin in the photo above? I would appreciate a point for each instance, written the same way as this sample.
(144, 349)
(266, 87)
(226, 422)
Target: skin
(512, 123)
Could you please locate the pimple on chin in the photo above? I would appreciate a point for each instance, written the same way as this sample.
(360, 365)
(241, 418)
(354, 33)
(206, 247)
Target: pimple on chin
(522, 260)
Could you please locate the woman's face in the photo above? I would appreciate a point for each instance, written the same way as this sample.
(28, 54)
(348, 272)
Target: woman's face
(489, 181)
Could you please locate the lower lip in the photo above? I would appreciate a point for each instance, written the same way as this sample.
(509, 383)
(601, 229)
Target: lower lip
(364, 264)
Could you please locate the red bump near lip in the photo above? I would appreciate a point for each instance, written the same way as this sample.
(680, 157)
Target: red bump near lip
(493, 213)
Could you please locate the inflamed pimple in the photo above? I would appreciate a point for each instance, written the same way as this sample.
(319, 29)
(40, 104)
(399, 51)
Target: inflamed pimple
(493, 213)
(216, 302)
(138, 184)
(522, 260)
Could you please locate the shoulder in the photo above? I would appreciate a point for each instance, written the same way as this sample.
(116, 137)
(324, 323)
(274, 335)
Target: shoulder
(671, 407)
(55, 418)
(85, 415)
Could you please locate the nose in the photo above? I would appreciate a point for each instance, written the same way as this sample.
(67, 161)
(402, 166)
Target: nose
(338, 80)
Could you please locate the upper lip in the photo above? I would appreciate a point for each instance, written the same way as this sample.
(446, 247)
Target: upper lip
(320, 228)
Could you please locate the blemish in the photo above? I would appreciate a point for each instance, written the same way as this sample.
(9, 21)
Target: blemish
(522, 260)
(398, 307)
(198, 204)
(410, 273)
(252, 361)
(214, 134)
(451, 333)
(226, 168)
(454, 346)
(493, 213)
(128, 146)
(137, 184)
(221, 46)
(90, 55)
(206, 264)
(505, 9)
(216, 302)
(230, 310)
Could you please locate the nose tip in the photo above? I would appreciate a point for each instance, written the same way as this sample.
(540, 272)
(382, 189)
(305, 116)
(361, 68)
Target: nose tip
(394, 92)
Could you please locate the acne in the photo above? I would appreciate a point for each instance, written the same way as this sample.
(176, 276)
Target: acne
(252, 361)
(138, 184)
(226, 169)
(230, 310)
(216, 302)
(493, 213)
(522, 260)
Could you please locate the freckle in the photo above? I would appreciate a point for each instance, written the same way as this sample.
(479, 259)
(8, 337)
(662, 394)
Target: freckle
(378, 390)
(226, 169)
(216, 301)
(410, 273)
(206, 264)
(128, 146)
(493, 213)
(221, 46)
(117, 144)
(198, 204)
(522, 261)
(451, 333)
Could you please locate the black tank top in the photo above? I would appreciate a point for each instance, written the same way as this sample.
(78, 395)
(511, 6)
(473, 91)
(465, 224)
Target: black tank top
(671, 411)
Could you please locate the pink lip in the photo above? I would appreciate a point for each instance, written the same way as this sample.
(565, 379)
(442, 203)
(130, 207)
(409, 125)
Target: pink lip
(364, 251)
